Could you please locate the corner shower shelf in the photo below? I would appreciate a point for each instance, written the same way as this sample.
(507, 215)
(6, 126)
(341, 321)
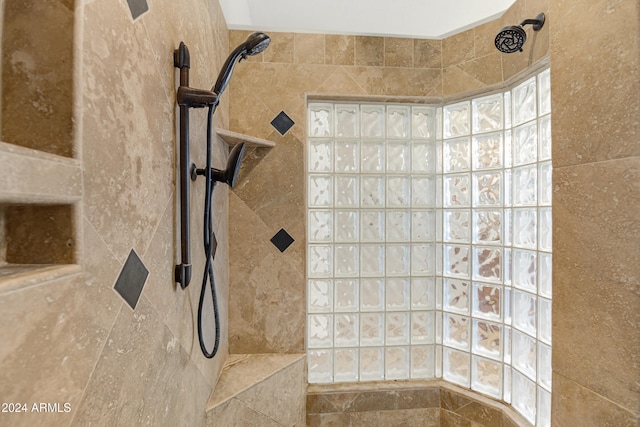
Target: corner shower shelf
(234, 138)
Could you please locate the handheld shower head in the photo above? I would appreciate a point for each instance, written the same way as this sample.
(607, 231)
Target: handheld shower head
(255, 43)
(511, 39)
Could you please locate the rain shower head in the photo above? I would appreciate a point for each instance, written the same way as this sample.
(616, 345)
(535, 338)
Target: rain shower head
(511, 39)
(255, 43)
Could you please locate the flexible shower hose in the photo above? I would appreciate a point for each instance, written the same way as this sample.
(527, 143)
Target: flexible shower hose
(208, 246)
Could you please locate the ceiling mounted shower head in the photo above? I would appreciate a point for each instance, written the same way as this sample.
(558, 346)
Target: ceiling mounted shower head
(511, 39)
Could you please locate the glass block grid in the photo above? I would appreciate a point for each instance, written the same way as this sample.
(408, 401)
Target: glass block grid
(429, 244)
(371, 224)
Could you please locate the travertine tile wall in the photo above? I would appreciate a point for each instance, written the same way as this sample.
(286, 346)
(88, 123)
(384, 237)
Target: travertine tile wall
(595, 79)
(73, 339)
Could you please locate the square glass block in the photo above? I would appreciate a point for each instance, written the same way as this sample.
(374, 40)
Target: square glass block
(346, 330)
(346, 226)
(524, 312)
(457, 155)
(546, 229)
(525, 185)
(456, 296)
(346, 191)
(524, 354)
(506, 390)
(320, 330)
(371, 329)
(347, 156)
(345, 365)
(487, 226)
(346, 292)
(507, 109)
(455, 366)
(487, 339)
(319, 261)
(346, 260)
(423, 122)
(398, 294)
(524, 228)
(544, 366)
(506, 345)
(456, 261)
(371, 364)
(543, 410)
(456, 331)
(523, 396)
(398, 191)
(398, 157)
(487, 301)
(423, 325)
(372, 226)
(487, 189)
(372, 156)
(486, 377)
(320, 366)
(423, 191)
(423, 293)
(396, 363)
(320, 224)
(487, 113)
(320, 296)
(506, 265)
(507, 305)
(423, 362)
(524, 270)
(545, 184)
(457, 226)
(320, 155)
(320, 119)
(439, 123)
(487, 151)
(456, 120)
(397, 328)
(398, 119)
(544, 274)
(457, 190)
(371, 295)
(423, 157)
(544, 138)
(398, 226)
(487, 264)
(423, 226)
(422, 259)
(508, 153)
(372, 121)
(320, 191)
(371, 191)
(347, 120)
(525, 144)
(398, 260)
(523, 99)
(544, 92)
(544, 320)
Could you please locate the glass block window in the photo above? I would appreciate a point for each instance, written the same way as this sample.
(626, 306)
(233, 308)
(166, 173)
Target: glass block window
(429, 243)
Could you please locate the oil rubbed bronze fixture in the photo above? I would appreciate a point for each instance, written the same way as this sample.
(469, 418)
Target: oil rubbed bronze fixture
(187, 98)
(511, 39)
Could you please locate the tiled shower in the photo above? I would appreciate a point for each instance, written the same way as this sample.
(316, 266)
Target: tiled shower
(429, 243)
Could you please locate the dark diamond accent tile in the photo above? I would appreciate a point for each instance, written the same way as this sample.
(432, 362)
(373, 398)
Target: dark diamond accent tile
(282, 123)
(282, 240)
(131, 279)
(137, 7)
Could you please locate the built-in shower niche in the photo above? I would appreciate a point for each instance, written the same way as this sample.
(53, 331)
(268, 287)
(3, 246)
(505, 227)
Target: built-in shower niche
(37, 75)
(35, 240)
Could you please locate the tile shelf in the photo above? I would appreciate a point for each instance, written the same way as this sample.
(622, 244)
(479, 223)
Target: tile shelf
(234, 138)
(40, 185)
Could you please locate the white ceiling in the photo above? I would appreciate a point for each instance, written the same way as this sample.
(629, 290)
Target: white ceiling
(433, 19)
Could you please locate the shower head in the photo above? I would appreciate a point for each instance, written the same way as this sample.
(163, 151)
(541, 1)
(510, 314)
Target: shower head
(511, 39)
(255, 43)
(230, 174)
